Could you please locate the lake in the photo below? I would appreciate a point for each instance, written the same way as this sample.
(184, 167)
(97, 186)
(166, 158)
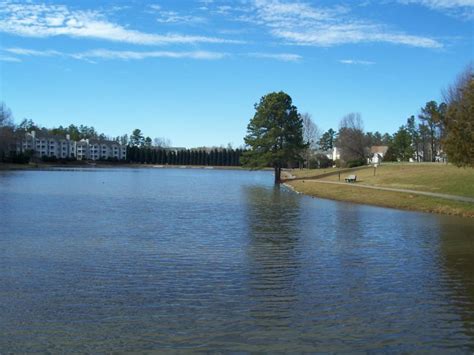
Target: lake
(102, 260)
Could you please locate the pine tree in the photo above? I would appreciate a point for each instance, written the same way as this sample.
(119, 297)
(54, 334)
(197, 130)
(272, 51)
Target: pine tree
(274, 134)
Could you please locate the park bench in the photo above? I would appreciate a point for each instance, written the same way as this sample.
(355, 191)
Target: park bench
(351, 178)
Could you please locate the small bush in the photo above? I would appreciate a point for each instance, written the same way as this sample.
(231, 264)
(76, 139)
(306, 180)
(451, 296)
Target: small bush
(18, 158)
(47, 159)
(320, 161)
(355, 163)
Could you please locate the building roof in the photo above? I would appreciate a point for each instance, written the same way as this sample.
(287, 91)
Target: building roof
(45, 135)
(100, 142)
(379, 149)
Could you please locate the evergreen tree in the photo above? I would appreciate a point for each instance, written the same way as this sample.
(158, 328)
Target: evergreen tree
(415, 136)
(386, 139)
(137, 139)
(424, 139)
(402, 144)
(274, 134)
(147, 142)
(431, 116)
(374, 138)
(327, 140)
(141, 155)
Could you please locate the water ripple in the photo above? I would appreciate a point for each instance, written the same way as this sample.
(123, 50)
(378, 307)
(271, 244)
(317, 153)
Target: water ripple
(143, 260)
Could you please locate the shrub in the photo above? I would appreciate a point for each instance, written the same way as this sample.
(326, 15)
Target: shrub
(320, 161)
(355, 163)
(47, 159)
(18, 158)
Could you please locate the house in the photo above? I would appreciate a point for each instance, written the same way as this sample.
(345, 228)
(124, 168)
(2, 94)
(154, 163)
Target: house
(336, 154)
(377, 152)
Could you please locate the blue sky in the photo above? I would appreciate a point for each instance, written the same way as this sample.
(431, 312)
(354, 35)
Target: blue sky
(191, 70)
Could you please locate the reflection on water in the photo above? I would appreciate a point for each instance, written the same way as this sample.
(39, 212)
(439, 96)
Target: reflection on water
(122, 260)
(456, 246)
(273, 262)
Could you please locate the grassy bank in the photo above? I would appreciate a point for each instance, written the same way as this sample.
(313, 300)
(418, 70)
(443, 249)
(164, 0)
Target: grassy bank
(437, 178)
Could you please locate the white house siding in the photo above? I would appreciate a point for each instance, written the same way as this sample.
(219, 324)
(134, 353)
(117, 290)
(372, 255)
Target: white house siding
(63, 148)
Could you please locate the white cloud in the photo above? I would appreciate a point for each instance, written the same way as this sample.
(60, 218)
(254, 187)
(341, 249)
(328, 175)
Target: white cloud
(33, 52)
(285, 57)
(155, 7)
(302, 24)
(441, 4)
(120, 55)
(106, 54)
(173, 17)
(40, 20)
(134, 55)
(7, 58)
(459, 8)
(356, 62)
(224, 9)
(294, 23)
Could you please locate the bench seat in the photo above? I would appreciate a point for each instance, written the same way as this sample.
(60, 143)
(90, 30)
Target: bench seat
(351, 178)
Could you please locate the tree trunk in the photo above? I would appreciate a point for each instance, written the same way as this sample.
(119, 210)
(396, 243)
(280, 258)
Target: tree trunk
(277, 174)
(433, 154)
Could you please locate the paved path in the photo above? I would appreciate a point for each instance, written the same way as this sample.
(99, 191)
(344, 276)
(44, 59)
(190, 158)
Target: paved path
(424, 193)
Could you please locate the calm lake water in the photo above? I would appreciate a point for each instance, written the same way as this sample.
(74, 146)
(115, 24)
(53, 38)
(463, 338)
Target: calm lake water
(153, 259)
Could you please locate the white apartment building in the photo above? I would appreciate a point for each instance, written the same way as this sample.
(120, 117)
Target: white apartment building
(94, 149)
(45, 145)
(82, 150)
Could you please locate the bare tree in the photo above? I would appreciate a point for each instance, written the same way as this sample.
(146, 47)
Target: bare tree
(162, 142)
(458, 119)
(454, 92)
(6, 130)
(311, 132)
(6, 118)
(352, 141)
(311, 135)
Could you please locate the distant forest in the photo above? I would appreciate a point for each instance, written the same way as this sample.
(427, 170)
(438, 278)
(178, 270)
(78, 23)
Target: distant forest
(163, 156)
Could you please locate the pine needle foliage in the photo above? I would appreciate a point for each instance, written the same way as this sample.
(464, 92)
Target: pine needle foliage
(274, 134)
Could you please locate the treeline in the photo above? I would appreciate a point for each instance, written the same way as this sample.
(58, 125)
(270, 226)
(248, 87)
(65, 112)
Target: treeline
(420, 139)
(214, 157)
(8, 136)
(441, 132)
(76, 133)
(330, 137)
(352, 142)
(444, 131)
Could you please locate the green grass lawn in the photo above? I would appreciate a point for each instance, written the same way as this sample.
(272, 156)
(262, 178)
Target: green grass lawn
(314, 173)
(440, 178)
(391, 199)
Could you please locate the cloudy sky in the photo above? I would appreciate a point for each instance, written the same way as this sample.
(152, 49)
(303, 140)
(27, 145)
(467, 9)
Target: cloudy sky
(191, 70)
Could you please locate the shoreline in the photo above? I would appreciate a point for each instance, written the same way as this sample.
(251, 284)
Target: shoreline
(106, 165)
(386, 199)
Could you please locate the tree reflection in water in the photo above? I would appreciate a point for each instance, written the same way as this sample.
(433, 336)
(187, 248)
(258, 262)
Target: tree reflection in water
(457, 255)
(273, 249)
